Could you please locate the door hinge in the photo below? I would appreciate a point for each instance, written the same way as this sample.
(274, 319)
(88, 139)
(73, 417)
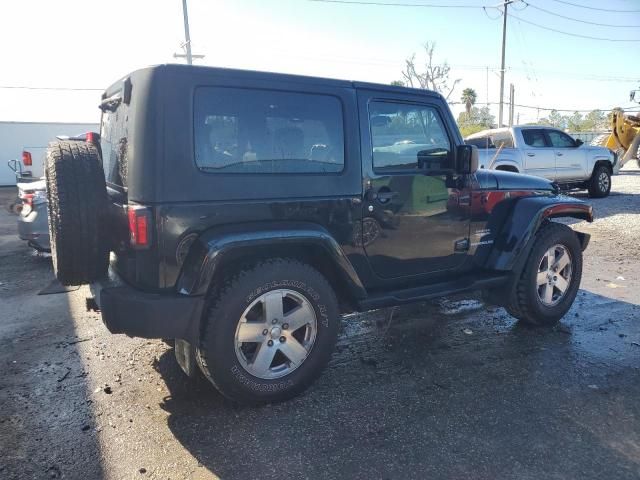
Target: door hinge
(462, 245)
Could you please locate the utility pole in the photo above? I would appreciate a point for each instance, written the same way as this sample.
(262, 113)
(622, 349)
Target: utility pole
(487, 87)
(511, 100)
(187, 38)
(504, 44)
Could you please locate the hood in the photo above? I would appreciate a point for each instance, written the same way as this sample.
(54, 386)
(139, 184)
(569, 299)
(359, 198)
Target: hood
(501, 180)
(597, 151)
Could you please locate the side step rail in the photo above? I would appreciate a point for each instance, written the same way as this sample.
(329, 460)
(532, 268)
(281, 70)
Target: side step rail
(427, 292)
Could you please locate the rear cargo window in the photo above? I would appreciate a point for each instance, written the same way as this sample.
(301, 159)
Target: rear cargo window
(495, 140)
(264, 131)
(114, 139)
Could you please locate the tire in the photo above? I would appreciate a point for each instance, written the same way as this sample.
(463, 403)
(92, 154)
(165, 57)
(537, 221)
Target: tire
(526, 302)
(77, 206)
(234, 367)
(600, 183)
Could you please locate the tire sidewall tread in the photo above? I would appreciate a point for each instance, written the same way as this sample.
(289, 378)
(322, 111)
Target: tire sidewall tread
(216, 352)
(524, 303)
(77, 204)
(594, 185)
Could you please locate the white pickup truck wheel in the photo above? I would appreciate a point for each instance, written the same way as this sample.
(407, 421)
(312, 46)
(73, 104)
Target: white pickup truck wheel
(600, 183)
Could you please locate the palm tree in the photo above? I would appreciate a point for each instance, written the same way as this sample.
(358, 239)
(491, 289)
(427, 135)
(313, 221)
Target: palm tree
(469, 97)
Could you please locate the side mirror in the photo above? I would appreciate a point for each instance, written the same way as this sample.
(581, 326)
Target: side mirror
(467, 159)
(579, 142)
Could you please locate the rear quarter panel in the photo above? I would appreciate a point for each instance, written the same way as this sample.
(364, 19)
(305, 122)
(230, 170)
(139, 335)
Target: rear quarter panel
(191, 202)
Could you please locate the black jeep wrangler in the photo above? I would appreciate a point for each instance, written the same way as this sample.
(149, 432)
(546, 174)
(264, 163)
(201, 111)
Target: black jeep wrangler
(241, 213)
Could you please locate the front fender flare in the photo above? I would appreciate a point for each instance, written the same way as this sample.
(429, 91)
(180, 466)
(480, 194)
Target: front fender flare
(216, 245)
(515, 238)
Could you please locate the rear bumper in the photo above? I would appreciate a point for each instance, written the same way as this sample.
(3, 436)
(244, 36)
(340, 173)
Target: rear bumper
(34, 228)
(135, 313)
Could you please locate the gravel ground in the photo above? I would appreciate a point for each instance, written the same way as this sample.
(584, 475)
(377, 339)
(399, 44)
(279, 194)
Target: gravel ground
(451, 389)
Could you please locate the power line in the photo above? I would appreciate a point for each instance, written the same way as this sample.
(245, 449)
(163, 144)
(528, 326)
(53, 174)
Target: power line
(389, 4)
(595, 8)
(574, 109)
(64, 89)
(576, 34)
(547, 109)
(577, 20)
(484, 9)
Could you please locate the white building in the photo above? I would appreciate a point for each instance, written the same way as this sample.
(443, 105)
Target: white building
(16, 137)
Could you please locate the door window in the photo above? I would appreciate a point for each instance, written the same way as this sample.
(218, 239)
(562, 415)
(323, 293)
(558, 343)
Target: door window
(534, 138)
(408, 137)
(560, 140)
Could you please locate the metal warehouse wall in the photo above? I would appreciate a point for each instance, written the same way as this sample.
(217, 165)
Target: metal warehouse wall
(34, 137)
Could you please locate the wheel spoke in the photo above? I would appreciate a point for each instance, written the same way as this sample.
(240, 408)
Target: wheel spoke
(273, 306)
(250, 332)
(548, 293)
(551, 257)
(299, 317)
(562, 262)
(263, 358)
(293, 350)
(542, 278)
(562, 284)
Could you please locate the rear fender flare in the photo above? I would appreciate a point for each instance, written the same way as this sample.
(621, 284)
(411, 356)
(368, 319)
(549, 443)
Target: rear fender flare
(515, 238)
(215, 246)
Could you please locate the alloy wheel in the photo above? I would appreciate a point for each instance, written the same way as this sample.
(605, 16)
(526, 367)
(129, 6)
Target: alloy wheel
(276, 334)
(554, 275)
(603, 182)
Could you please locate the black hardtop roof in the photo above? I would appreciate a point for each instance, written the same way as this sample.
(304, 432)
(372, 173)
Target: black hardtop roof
(232, 72)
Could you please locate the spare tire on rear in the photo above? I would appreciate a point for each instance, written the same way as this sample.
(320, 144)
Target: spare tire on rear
(77, 206)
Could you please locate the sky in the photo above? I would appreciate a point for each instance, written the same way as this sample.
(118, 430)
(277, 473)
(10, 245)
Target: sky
(88, 44)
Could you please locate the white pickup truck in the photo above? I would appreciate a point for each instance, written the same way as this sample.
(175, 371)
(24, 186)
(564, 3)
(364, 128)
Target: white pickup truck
(547, 152)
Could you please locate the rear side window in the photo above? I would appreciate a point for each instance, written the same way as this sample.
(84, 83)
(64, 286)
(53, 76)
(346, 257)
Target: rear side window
(265, 131)
(482, 142)
(114, 139)
(502, 140)
(534, 138)
(496, 140)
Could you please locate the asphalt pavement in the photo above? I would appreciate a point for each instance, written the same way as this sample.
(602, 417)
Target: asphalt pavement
(452, 389)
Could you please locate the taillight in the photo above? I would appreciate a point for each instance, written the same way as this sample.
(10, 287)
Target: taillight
(139, 226)
(27, 203)
(91, 137)
(26, 159)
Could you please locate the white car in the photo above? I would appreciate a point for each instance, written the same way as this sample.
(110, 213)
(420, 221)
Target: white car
(547, 152)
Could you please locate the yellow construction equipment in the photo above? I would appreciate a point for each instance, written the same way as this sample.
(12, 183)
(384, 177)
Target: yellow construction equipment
(624, 139)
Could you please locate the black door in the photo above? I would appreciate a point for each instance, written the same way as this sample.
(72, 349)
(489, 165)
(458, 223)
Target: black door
(413, 222)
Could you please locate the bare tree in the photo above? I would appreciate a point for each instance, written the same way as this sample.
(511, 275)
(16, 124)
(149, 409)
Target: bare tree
(434, 76)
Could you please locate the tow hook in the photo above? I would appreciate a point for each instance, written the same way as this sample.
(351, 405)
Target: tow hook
(92, 305)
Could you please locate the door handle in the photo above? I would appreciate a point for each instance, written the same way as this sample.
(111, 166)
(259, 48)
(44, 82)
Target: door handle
(385, 196)
(559, 154)
(531, 154)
